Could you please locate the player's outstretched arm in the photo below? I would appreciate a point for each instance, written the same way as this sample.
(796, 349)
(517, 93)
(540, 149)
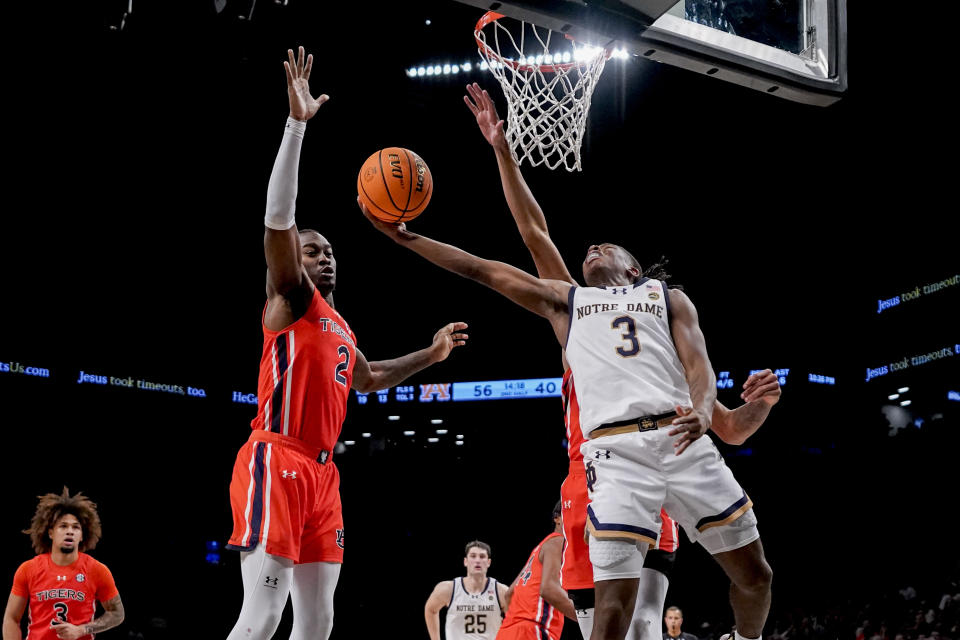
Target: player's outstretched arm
(523, 206)
(11, 617)
(281, 244)
(760, 392)
(112, 616)
(693, 421)
(431, 611)
(546, 298)
(550, 589)
(382, 374)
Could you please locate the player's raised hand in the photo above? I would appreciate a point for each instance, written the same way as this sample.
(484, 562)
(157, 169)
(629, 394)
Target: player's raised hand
(689, 425)
(303, 106)
(481, 106)
(448, 338)
(762, 386)
(395, 231)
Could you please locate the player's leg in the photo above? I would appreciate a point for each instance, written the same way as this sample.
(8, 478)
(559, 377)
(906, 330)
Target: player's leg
(750, 577)
(266, 583)
(626, 493)
(716, 512)
(321, 556)
(614, 607)
(312, 596)
(576, 572)
(651, 596)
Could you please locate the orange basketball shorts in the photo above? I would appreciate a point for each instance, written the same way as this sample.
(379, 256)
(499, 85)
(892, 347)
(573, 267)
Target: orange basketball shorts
(281, 496)
(525, 630)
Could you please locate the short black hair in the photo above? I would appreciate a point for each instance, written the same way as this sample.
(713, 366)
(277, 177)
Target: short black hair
(479, 545)
(557, 509)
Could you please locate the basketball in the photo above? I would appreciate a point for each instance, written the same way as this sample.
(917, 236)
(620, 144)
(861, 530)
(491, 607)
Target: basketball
(395, 184)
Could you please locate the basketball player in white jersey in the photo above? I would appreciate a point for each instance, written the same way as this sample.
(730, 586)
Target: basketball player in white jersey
(761, 390)
(475, 603)
(647, 393)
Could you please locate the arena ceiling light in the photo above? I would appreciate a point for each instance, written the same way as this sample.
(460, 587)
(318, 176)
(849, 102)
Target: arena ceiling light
(441, 432)
(436, 421)
(449, 68)
(433, 439)
(365, 434)
(409, 433)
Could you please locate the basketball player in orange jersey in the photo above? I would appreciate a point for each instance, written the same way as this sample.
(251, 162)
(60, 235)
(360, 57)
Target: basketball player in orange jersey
(647, 393)
(537, 601)
(733, 427)
(475, 603)
(62, 583)
(285, 488)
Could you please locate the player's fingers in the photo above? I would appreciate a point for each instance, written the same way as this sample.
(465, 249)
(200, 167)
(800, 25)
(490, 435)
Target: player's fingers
(471, 106)
(459, 326)
(286, 68)
(759, 392)
(307, 69)
(293, 62)
(756, 376)
(322, 98)
(300, 60)
(683, 411)
(499, 126)
(458, 336)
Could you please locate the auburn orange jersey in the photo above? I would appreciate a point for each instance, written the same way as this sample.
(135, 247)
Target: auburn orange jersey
(68, 594)
(527, 606)
(305, 375)
(571, 418)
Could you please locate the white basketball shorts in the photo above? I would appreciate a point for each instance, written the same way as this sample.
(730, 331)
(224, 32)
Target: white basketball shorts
(630, 476)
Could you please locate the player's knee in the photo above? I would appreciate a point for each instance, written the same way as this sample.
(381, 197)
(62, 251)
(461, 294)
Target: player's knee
(609, 554)
(757, 578)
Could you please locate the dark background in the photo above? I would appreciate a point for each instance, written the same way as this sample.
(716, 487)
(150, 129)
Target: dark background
(132, 247)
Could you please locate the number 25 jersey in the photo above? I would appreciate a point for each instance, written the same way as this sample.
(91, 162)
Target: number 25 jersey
(621, 351)
(473, 616)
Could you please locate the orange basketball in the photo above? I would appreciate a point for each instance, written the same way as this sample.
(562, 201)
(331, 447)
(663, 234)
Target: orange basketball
(395, 184)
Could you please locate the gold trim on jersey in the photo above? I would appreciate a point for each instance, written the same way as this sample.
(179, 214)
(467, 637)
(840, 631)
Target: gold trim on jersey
(733, 516)
(615, 535)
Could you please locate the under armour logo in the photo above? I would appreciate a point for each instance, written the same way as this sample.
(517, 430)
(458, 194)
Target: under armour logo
(340, 538)
(568, 504)
(623, 290)
(601, 452)
(289, 474)
(271, 582)
(61, 577)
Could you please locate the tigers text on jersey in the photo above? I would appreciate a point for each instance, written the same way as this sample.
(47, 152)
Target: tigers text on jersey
(527, 608)
(621, 351)
(473, 616)
(305, 376)
(68, 593)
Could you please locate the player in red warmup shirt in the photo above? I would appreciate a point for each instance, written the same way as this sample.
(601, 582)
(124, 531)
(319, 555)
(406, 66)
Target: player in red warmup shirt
(537, 601)
(62, 583)
(285, 488)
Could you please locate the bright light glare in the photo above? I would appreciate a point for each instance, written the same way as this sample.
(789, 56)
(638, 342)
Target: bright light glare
(409, 433)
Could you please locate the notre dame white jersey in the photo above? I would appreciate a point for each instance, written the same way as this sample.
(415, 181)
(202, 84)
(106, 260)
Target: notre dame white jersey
(473, 616)
(622, 354)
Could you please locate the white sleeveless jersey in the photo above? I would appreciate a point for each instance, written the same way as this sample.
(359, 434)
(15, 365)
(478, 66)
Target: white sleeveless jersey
(622, 354)
(473, 616)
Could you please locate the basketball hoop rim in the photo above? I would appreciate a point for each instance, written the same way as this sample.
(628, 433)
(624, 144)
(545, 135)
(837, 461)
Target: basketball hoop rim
(493, 16)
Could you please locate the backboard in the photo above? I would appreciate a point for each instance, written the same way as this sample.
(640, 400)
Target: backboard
(793, 49)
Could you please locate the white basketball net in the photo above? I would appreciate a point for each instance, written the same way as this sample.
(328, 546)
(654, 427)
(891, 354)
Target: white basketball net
(548, 94)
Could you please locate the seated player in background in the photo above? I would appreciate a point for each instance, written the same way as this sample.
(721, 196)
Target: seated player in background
(475, 603)
(285, 490)
(760, 392)
(62, 583)
(537, 601)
